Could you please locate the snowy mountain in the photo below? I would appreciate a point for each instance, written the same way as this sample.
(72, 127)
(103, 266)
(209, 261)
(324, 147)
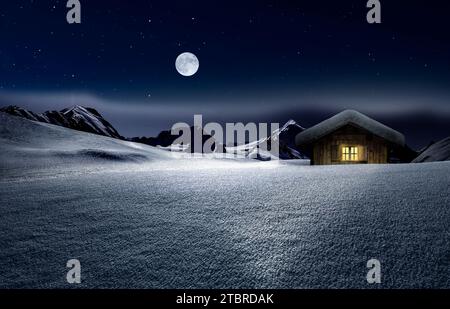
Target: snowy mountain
(89, 120)
(284, 138)
(439, 151)
(78, 118)
(165, 140)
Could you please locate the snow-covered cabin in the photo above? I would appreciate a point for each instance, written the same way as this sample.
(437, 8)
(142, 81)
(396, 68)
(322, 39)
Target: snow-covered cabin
(349, 138)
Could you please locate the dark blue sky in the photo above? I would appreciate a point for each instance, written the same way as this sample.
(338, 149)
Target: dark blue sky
(259, 61)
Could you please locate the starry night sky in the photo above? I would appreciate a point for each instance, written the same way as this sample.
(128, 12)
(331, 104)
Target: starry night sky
(260, 61)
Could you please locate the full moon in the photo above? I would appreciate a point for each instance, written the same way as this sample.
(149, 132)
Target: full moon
(187, 64)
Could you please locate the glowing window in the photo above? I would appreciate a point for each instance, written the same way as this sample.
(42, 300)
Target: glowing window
(349, 153)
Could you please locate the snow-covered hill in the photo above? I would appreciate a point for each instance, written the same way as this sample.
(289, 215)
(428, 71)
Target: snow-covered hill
(77, 117)
(31, 144)
(439, 151)
(139, 217)
(30, 148)
(283, 138)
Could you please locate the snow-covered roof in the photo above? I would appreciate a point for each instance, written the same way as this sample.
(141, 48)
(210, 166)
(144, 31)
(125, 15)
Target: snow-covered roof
(349, 117)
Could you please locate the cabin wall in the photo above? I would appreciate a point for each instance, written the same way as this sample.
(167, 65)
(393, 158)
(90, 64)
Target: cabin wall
(371, 149)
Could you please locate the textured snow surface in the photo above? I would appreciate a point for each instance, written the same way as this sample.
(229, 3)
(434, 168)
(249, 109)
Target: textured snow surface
(173, 222)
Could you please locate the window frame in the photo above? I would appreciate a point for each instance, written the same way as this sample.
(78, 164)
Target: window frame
(350, 153)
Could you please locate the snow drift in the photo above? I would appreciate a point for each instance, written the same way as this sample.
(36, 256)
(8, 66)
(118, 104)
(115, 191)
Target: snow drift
(30, 143)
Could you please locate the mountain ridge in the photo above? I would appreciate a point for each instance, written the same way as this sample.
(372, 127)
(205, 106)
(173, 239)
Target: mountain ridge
(283, 138)
(77, 117)
(87, 119)
(439, 151)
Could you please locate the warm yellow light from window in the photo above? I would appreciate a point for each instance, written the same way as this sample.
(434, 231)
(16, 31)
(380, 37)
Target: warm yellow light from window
(349, 153)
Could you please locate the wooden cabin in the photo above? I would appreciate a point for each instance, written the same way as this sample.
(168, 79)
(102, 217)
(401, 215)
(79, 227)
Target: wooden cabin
(349, 138)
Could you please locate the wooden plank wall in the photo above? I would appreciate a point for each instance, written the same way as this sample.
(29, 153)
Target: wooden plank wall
(371, 149)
